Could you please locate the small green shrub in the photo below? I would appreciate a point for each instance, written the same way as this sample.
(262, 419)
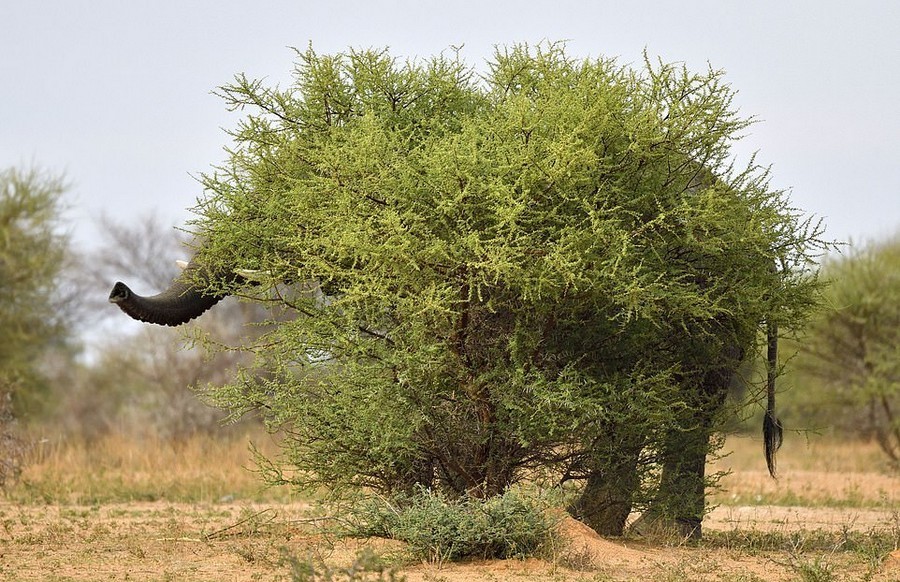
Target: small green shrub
(436, 528)
(366, 567)
(817, 570)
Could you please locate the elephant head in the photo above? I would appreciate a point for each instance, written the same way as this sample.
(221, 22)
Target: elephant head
(185, 299)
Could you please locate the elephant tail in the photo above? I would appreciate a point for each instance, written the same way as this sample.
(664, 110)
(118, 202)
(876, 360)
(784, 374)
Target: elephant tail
(772, 428)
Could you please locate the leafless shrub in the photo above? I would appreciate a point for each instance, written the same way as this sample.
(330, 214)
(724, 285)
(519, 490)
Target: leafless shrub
(142, 378)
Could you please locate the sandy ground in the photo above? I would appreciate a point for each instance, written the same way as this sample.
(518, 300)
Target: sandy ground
(817, 522)
(237, 542)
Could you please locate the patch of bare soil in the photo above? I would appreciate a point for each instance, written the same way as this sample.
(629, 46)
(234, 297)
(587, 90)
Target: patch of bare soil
(584, 555)
(166, 541)
(775, 518)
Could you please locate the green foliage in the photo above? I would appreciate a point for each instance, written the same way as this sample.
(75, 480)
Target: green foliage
(509, 525)
(521, 272)
(849, 361)
(817, 570)
(32, 252)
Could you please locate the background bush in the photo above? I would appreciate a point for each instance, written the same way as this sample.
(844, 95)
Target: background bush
(847, 372)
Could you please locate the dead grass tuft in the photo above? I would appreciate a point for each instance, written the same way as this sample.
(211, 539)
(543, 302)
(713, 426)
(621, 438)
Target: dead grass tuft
(125, 468)
(814, 471)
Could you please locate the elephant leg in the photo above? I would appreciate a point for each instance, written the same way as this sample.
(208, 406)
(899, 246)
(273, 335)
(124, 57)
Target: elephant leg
(680, 502)
(682, 488)
(607, 497)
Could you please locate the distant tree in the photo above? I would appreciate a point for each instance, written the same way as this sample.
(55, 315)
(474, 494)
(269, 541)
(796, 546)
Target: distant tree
(549, 269)
(32, 254)
(852, 347)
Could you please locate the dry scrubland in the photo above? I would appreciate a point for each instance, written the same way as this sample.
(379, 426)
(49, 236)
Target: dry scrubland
(150, 510)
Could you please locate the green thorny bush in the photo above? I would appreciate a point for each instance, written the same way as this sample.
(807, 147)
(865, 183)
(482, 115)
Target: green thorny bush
(549, 270)
(510, 525)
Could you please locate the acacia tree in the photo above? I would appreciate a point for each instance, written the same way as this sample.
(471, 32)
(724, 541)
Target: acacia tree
(551, 267)
(852, 345)
(32, 254)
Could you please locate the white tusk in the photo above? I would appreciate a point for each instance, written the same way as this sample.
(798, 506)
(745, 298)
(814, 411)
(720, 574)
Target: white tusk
(181, 264)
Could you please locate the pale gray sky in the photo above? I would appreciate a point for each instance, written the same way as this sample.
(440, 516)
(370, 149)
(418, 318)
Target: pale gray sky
(117, 94)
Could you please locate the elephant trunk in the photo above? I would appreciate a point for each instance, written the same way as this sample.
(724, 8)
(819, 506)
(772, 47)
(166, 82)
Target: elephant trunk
(184, 300)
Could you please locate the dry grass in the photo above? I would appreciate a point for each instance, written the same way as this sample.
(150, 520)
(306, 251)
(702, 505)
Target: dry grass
(813, 472)
(121, 468)
(148, 509)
